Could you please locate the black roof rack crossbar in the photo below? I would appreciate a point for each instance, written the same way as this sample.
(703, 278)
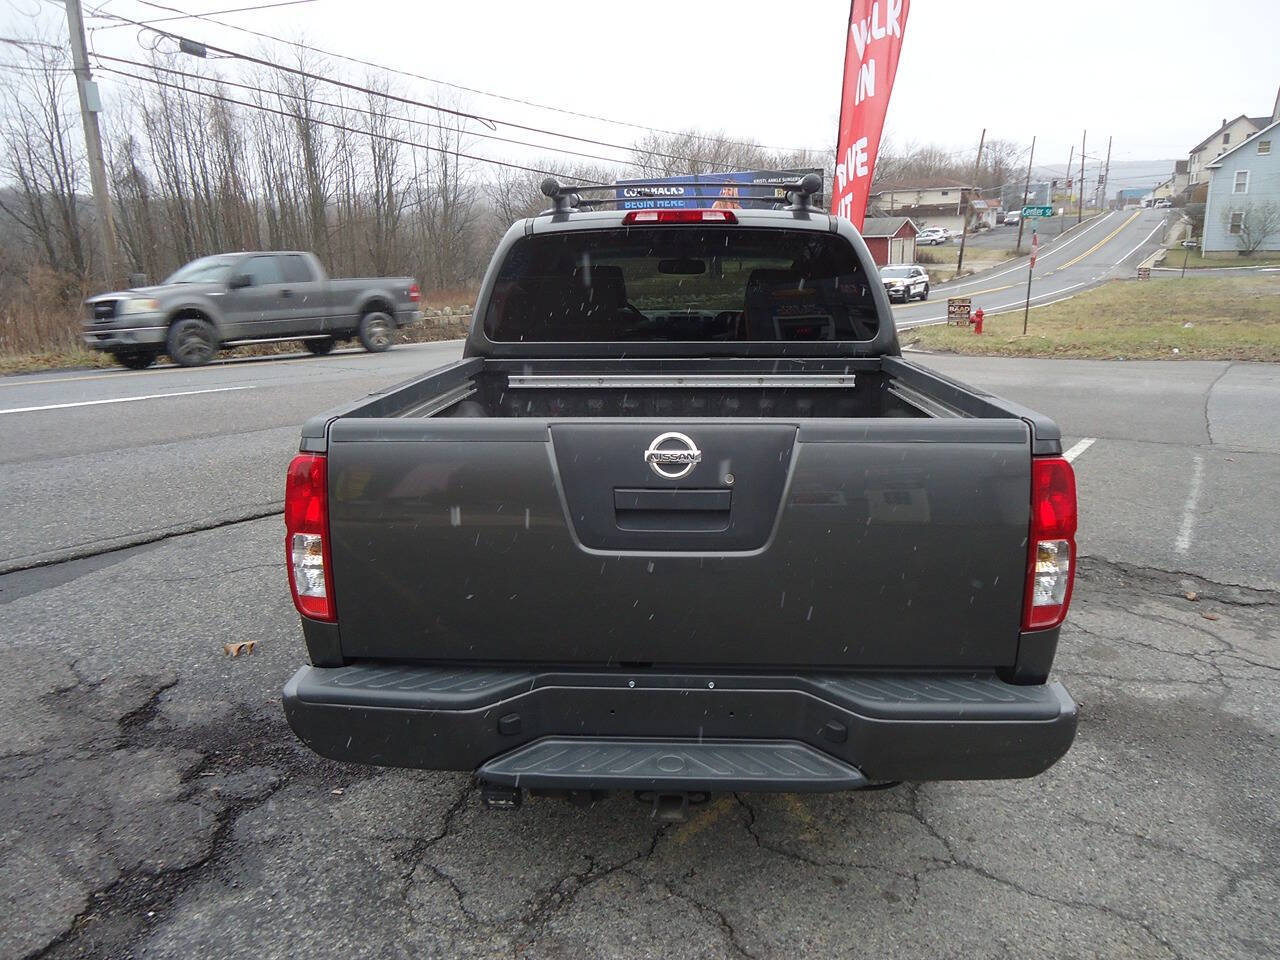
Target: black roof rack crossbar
(799, 193)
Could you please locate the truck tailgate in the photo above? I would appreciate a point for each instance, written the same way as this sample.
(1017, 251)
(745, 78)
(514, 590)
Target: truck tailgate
(876, 543)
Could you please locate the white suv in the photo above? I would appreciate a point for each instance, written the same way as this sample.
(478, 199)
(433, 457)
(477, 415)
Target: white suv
(905, 282)
(933, 235)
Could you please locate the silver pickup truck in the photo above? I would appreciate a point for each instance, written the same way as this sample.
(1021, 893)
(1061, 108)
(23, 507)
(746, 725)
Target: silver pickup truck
(233, 299)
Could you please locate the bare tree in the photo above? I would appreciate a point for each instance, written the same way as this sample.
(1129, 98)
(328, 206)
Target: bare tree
(1252, 223)
(43, 160)
(445, 198)
(388, 185)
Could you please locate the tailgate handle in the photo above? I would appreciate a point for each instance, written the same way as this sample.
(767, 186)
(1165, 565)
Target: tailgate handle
(668, 500)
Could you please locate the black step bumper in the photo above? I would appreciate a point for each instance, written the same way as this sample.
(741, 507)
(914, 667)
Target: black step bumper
(688, 730)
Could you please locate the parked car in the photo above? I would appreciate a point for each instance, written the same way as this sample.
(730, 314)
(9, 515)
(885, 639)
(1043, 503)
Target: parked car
(233, 299)
(903, 283)
(1013, 218)
(681, 520)
(1163, 203)
(931, 236)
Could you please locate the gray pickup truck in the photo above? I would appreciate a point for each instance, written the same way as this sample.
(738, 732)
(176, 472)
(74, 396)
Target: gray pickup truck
(234, 299)
(682, 520)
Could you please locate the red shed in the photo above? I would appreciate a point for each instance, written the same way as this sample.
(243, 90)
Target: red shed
(890, 239)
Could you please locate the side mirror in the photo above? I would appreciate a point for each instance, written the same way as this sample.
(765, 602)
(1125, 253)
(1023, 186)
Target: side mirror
(239, 281)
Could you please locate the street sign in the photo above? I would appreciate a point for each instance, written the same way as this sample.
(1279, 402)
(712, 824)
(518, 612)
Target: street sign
(1190, 244)
(958, 310)
(1037, 211)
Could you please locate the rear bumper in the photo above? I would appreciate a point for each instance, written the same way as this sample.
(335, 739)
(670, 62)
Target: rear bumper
(405, 316)
(508, 725)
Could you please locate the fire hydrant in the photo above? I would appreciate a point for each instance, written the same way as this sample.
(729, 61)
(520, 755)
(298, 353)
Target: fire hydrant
(976, 320)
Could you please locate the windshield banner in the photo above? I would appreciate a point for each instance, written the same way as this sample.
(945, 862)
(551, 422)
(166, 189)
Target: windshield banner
(870, 64)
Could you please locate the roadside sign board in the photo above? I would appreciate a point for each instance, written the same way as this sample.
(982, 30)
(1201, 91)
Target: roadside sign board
(958, 310)
(760, 189)
(1036, 211)
(1144, 273)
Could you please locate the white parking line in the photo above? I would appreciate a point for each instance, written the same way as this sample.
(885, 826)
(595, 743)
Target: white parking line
(1079, 448)
(1183, 543)
(94, 403)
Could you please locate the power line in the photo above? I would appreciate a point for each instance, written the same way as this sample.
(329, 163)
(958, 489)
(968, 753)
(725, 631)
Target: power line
(488, 121)
(218, 81)
(475, 90)
(364, 133)
(200, 16)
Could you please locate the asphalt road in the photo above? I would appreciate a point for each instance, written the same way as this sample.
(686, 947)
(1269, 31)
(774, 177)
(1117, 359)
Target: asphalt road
(1098, 250)
(156, 805)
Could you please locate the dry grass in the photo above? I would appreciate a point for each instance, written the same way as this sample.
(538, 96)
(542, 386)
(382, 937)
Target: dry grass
(1196, 318)
(450, 297)
(40, 313)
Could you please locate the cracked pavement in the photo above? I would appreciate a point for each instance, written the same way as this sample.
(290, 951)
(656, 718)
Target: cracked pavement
(154, 803)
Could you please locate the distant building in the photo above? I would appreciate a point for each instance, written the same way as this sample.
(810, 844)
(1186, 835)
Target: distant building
(1132, 196)
(1175, 185)
(1228, 135)
(939, 202)
(1037, 195)
(985, 212)
(1242, 205)
(890, 239)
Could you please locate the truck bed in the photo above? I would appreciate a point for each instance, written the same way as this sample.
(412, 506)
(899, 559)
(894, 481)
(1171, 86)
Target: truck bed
(801, 389)
(821, 484)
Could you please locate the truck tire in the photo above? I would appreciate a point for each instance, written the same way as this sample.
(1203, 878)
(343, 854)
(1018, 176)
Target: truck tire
(319, 345)
(135, 359)
(192, 342)
(376, 330)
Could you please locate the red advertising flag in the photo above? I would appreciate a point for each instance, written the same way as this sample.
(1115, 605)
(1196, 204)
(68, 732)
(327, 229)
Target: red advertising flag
(870, 63)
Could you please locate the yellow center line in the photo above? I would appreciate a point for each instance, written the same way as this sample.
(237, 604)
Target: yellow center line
(1110, 236)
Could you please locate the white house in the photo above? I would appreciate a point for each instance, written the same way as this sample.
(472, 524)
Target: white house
(1242, 207)
(1231, 133)
(936, 202)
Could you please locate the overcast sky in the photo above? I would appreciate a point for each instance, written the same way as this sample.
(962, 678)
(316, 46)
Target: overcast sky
(1159, 75)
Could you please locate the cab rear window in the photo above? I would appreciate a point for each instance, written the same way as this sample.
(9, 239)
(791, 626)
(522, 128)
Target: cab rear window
(681, 284)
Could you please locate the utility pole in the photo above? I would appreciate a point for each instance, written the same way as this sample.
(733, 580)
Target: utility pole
(89, 107)
(1026, 188)
(1071, 156)
(964, 235)
(1106, 173)
(1080, 208)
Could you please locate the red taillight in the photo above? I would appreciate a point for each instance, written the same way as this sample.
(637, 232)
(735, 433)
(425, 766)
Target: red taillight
(1051, 554)
(415, 293)
(679, 216)
(306, 537)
